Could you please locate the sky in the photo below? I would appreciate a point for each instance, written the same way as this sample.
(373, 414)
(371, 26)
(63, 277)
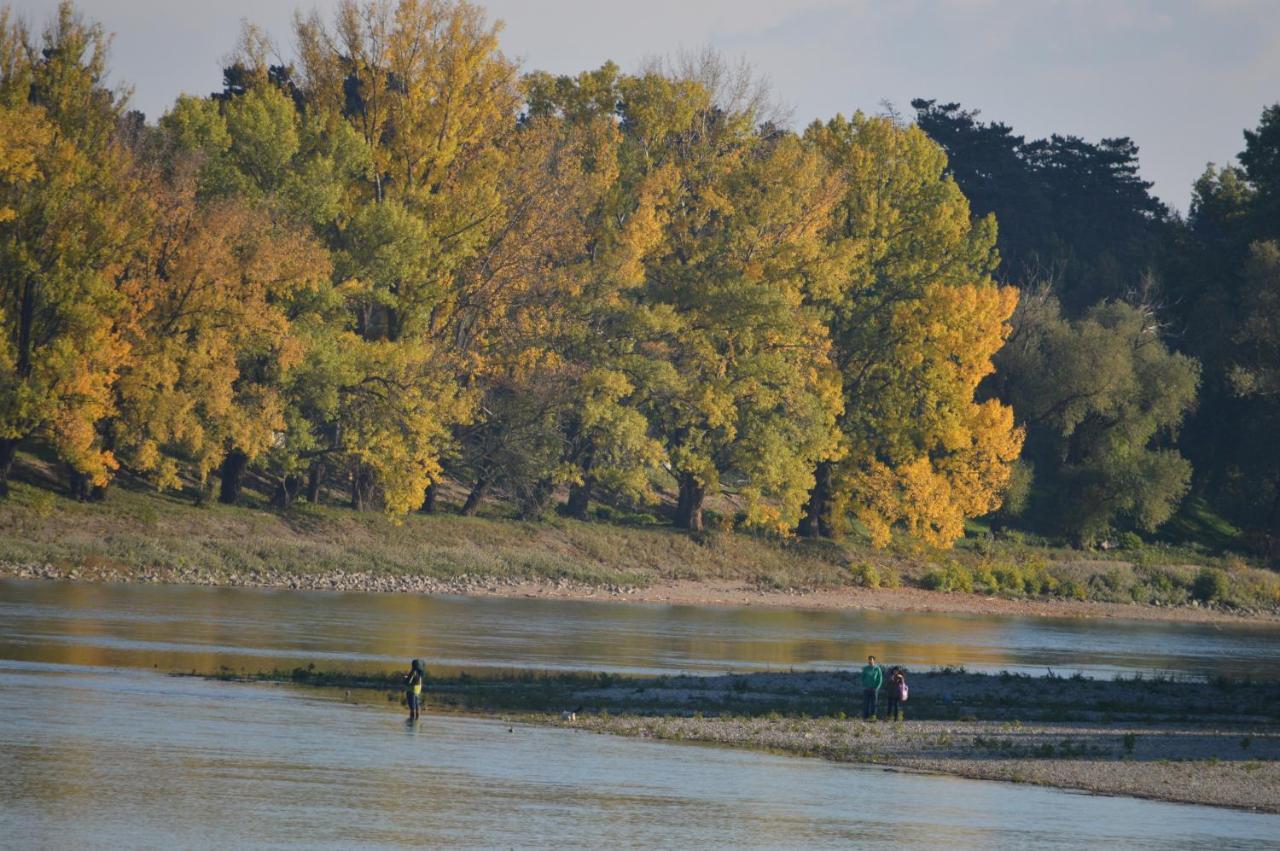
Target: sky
(1183, 78)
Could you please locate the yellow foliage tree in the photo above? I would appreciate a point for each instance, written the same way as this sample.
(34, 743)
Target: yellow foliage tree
(914, 319)
(210, 335)
(940, 457)
(66, 229)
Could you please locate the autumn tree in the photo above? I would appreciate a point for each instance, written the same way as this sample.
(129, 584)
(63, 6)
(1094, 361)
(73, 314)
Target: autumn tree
(212, 297)
(428, 98)
(914, 320)
(752, 398)
(601, 329)
(65, 230)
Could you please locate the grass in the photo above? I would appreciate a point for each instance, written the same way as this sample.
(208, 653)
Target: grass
(140, 530)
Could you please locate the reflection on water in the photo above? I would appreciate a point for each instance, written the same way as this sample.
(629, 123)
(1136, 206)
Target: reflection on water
(183, 628)
(93, 757)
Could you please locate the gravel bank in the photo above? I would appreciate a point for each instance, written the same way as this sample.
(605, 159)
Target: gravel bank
(709, 592)
(1165, 762)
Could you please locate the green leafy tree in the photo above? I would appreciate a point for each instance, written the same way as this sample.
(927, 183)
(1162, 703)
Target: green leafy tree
(1101, 398)
(754, 396)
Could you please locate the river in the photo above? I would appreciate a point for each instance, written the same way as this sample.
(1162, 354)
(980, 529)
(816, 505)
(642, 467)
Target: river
(100, 749)
(174, 627)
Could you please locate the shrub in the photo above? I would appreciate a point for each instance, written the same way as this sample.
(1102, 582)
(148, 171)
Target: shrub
(1130, 541)
(986, 579)
(866, 575)
(1072, 590)
(1162, 581)
(1210, 585)
(1046, 582)
(951, 576)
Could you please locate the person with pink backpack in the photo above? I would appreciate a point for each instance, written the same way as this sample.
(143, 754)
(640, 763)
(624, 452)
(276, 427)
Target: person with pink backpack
(897, 694)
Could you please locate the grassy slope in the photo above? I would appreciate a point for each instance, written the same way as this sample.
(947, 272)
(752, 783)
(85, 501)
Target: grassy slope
(140, 530)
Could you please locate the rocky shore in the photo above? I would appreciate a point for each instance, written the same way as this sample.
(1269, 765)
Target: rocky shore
(701, 592)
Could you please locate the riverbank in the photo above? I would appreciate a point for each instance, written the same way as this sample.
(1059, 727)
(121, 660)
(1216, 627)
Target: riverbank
(146, 537)
(1216, 744)
(674, 593)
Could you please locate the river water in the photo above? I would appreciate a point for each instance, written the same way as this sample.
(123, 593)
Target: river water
(100, 749)
(106, 758)
(174, 627)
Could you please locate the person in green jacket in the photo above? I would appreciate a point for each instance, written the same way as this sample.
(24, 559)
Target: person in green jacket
(872, 679)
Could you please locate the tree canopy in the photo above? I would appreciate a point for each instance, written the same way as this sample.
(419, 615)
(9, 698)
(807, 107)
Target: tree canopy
(390, 263)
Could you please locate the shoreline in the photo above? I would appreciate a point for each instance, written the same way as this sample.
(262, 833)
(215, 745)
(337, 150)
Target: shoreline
(700, 592)
(1250, 786)
(1155, 739)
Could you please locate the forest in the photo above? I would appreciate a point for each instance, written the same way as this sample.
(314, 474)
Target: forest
(397, 262)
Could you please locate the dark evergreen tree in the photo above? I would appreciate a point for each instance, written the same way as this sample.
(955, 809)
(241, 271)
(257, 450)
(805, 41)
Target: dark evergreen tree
(1073, 214)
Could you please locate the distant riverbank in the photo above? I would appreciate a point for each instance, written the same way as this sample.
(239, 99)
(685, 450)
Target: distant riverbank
(143, 537)
(1161, 739)
(711, 592)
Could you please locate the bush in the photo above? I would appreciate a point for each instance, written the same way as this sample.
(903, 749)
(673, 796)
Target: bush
(1072, 590)
(1162, 581)
(1008, 577)
(951, 576)
(1130, 541)
(1210, 585)
(866, 575)
(986, 579)
(1040, 581)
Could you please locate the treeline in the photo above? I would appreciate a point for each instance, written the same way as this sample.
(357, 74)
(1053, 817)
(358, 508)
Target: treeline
(397, 259)
(1145, 357)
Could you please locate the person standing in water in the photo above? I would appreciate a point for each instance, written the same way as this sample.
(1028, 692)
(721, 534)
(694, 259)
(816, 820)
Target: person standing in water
(872, 679)
(413, 688)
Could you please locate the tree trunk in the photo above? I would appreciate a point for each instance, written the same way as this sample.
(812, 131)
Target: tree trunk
(1273, 529)
(472, 505)
(429, 497)
(82, 488)
(287, 490)
(689, 504)
(315, 481)
(232, 473)
(579, 502)
(8, 451)
(533, 504)
(816, 522)
(362, 485)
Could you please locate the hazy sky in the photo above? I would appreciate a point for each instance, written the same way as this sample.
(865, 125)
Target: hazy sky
(1182, 77)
